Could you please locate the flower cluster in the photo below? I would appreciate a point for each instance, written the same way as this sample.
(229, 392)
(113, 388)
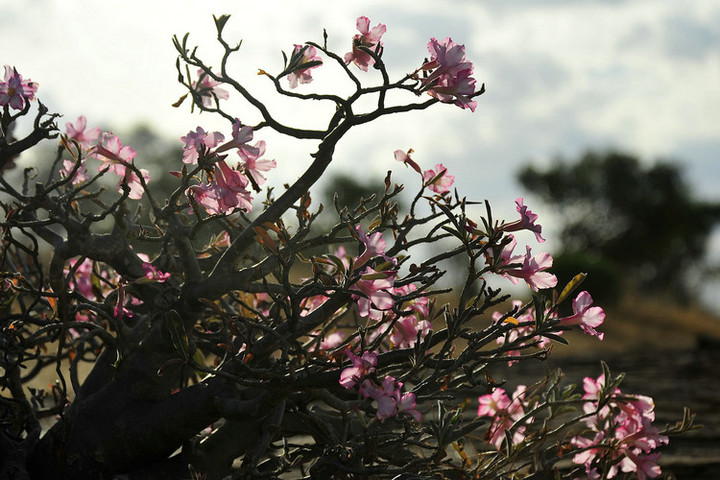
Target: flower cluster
(113, 155)
(118, 159)
(388, 393)
(448, 74)
(376, 299)
(377, 292)
(84, 277)
(522, 335)
(621, 433)
(94, 281)
(528, 267)
(508, 415)
(16, 91)
(227, 189)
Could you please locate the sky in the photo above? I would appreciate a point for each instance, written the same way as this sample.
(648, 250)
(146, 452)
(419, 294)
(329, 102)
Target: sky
(561, 76)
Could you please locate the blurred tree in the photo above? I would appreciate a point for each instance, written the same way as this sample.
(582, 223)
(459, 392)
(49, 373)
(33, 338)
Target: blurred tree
(637, 224)
(350, 190)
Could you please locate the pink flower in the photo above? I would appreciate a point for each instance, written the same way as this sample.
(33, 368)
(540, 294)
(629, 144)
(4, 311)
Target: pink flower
(406, 403)
(446, 58)
(252, 165)
(593, 388)
(80, 174)
(373, 286)
(413, 322)
(390, 400)
(113, 154)
(199, 143)
(645, 466)
(585, 315)
(14, 91)
(302, 55)
(134, 183)
(532, 269)
(78, 132)
(361, 368)
(526, 222)
(117, 159)
(343, 256)
(82, 280)
(208, 89)
(506, 412)
(374, 246)
(450, 78)
(418, 305)
(332, 341)
(403, 157)
(205, 195)
(458, 89)
(310, 304)
(384, 396)
(367, 38)
(623, 433)
(241, 135)
(224, 194)
(493, 403)
(153, 273)
(406, 329)
(438, 180)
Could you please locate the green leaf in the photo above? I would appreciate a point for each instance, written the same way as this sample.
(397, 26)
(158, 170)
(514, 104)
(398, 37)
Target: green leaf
(164, 366)
(220, 22)
(454, 233)
(178, 334)
(557, 338)
(539, 305)
(374, 276)
(336, 261)
(571, 286)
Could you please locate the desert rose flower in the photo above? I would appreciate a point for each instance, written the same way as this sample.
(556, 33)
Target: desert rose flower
(361, 367)
(14, 91)
(527, 221)
(449, 79)
(209, 89)
(438, 180)
(199, 142)
(368, 38)
(79, 132)
(404, 157)
(303, 55)
(253, 165)
(585, 315)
